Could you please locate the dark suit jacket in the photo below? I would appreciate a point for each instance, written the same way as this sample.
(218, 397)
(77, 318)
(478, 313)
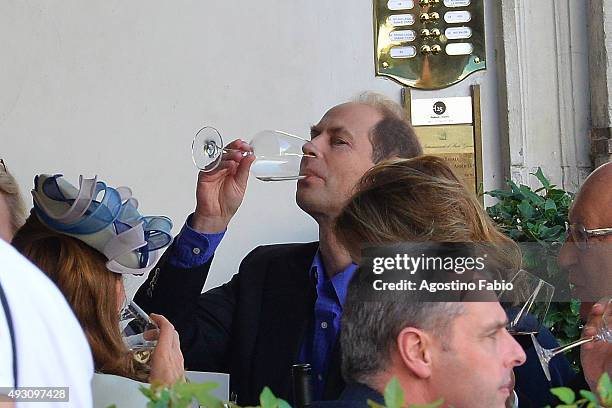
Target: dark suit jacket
(251, 327)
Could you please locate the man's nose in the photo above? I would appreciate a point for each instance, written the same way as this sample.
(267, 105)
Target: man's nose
(568, 255)
(517, 355)
(310, 148)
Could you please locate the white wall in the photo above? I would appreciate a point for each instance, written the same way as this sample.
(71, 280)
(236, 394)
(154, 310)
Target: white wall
(118, 88)
(599, 16)
(546, 101)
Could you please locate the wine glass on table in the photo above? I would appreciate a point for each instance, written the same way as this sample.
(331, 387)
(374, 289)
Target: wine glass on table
(278, 154)
(604, 333)
(526, 305)
(139, 332)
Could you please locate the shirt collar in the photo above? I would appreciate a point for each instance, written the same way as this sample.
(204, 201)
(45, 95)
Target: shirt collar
(340, 281)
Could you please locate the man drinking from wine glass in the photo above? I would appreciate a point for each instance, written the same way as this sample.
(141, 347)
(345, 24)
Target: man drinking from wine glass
(587, 255)
(285, 304)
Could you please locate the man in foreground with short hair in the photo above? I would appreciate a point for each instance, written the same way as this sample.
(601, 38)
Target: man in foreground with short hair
(458, 352)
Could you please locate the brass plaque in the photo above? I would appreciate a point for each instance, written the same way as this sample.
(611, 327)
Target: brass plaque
(455, 144)
(429, 44)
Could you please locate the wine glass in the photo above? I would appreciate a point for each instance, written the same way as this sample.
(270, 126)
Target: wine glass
(139, 332)
(604, 333)
(526, 305)
(278, 154)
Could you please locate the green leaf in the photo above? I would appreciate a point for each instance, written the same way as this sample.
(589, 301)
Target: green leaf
(553, 318)
(499, 193)
(556, 231)
(207, 386)
(162, 404)
(515, 189)
(525, 209)
(193, 388)
(531, 196)
(604, 389)
(550, 205)
(373, 404)
(589, 396)
(208, 400)
(186, 392)
(540, 176)
(566, 395)
(282, 403)
(183, 402)
(556, 194)
(575, 306)
(164, 399)
(267, 399)
(394, 395)
(147, 391)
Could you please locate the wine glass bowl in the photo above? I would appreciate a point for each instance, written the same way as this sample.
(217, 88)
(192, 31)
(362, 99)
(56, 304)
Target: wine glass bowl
(278, 155)
(138, 331)
(527, 303)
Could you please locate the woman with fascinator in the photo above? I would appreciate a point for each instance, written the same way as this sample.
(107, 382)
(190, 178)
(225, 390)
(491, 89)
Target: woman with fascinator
(85, 239)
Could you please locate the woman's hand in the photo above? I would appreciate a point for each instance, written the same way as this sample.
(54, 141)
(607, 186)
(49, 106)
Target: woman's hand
(167, 365)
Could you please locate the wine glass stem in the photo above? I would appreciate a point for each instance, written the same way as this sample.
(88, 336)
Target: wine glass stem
(244, 154)
(571, 345)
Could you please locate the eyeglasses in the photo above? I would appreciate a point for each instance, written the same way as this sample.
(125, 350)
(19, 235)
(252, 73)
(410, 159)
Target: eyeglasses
(581, 235)
(3, 165)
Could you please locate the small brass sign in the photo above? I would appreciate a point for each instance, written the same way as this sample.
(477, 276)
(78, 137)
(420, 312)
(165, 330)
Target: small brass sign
(451, 128)
(455, 144)
(429, 44)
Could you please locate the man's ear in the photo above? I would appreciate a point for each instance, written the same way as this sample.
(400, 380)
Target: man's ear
(415, 348)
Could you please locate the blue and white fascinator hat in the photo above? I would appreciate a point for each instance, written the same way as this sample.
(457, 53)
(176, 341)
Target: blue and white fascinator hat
(105, 218)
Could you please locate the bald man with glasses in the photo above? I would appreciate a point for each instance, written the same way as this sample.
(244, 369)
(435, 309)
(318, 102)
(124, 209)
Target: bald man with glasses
(587, 255)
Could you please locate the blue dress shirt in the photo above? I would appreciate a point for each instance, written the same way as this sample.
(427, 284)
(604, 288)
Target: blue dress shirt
(322, 333)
